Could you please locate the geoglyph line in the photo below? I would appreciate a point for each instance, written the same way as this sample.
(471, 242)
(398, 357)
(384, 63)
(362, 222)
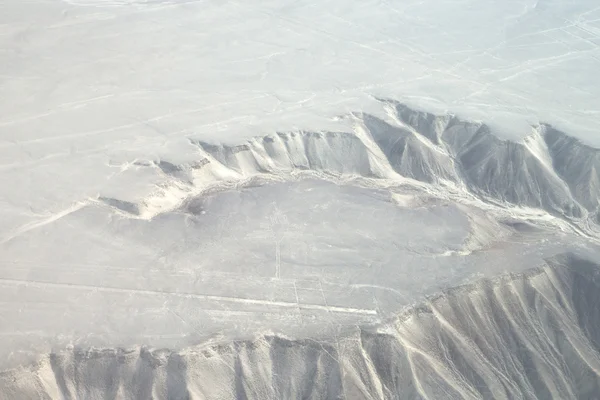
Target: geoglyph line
(229, 299)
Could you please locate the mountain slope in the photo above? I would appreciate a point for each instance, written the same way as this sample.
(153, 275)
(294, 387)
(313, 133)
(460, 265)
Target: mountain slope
(531, 336)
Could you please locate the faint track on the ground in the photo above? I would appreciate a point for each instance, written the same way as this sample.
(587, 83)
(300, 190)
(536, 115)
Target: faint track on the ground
(230, 299)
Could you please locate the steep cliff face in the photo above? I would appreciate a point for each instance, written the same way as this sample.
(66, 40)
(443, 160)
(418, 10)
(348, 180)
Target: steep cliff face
(577, 164)
(548, 170)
